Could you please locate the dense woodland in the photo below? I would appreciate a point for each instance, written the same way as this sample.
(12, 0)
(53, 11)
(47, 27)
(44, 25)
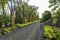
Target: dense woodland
(20, 12)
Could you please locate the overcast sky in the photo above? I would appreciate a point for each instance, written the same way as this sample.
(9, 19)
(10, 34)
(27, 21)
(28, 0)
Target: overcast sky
(43, 5)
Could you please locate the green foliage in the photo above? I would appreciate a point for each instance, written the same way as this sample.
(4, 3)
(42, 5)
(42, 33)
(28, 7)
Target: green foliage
(54, 20)
(2, 6)
(22, 25)
(3, 2)
(46, 15)
(57, 13)
(7, 19)
(54, 3)
(51, 33)
(26, 13)
(5, 31)
(9, 29)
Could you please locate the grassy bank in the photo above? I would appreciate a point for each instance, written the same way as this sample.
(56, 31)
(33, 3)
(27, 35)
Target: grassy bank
(16, 26)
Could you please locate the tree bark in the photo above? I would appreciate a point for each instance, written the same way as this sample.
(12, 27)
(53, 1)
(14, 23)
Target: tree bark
(13, 19)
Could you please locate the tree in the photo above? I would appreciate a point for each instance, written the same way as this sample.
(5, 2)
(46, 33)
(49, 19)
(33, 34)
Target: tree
(12, 13)
(57, 13)
(7, 20)
(46, 15)
(19, 17)
(28, 13)
(54, 3)
(2, 5)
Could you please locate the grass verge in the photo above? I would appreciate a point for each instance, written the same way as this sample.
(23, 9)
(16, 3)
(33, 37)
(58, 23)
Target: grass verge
(9, 29)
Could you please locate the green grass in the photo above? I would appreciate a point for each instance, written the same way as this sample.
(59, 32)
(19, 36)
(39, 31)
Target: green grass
(22, 25)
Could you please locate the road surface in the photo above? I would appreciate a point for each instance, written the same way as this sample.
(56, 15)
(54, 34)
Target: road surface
(31, 32)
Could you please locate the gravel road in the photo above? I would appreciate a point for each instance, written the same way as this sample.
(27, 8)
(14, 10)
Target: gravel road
(31, 32)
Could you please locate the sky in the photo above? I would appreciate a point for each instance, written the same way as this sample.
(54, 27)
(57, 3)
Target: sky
(43, 5)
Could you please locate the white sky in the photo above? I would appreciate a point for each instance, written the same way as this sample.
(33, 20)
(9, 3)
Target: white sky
(43, 5)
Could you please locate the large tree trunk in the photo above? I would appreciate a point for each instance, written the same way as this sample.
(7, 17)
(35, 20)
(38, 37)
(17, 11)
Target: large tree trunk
(12, 16)
(13, 19)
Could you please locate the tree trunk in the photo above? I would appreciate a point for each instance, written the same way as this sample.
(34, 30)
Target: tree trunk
(23, 13)
(12, 16)
(13, 19)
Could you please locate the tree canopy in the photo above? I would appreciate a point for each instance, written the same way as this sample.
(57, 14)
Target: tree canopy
(46, 15)
(54, 3)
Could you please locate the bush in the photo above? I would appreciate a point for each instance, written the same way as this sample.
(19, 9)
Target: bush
(3, 31)
(7, 30)
(51, 33)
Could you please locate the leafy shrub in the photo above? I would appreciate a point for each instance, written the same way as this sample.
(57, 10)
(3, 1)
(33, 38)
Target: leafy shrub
(6, 30)
(3, 31)
(49, 32)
